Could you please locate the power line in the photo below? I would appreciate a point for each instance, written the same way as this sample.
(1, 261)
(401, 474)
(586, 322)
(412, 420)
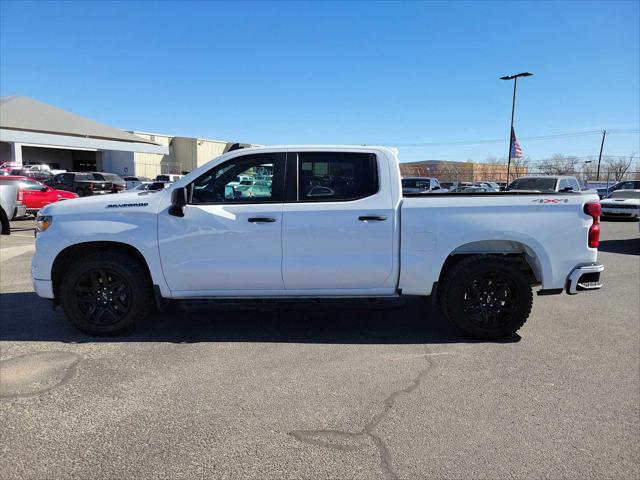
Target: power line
(585, 133)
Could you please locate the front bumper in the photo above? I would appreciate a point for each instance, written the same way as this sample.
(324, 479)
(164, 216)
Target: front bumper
(43, 288)
(586, 277)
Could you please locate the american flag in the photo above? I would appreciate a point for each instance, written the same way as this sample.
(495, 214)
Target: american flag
(516, 151)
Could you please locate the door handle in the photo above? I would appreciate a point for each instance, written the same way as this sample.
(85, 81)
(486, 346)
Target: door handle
(262, 219)
(372, 218)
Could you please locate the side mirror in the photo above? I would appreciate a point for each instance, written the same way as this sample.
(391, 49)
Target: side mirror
(43, 189)
(436, 188)
(178, 202)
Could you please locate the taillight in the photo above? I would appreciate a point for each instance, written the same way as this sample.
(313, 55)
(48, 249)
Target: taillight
(19, 197)
(594, 210)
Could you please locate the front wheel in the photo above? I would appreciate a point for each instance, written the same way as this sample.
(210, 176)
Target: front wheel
(486, 297)
(106, 293)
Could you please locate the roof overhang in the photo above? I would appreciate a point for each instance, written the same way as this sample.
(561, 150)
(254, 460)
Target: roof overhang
(83, 143)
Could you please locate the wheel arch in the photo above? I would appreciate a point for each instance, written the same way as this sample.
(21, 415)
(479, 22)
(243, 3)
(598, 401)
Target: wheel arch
(532, 260)
(73, 252)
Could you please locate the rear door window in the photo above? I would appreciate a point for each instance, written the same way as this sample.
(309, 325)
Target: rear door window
(336, 176)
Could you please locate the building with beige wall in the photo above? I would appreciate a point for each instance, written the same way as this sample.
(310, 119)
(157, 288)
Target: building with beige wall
(450, 171)
(185, 154)
(33, 132)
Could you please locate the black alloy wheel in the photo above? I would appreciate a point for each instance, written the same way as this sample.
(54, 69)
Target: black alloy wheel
(102, 297)
(490, 299)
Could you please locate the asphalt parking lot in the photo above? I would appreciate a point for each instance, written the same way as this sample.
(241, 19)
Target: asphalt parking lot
(298, 392)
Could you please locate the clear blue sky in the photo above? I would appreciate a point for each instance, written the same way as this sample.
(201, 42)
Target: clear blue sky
(322, 72)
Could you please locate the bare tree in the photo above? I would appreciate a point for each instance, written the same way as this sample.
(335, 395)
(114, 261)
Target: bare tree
(587, 170)
(617, 167)
(520, 165)
(559, 165)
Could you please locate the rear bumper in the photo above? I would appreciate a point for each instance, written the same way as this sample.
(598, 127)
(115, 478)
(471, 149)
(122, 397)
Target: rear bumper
(20, 211)
(586, 277)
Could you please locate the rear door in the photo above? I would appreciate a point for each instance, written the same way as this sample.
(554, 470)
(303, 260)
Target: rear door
(338, 224)
(227, 242)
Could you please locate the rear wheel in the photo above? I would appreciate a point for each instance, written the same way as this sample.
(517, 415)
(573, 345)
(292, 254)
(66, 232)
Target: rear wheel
(106, 293)
(80, 192)
(486, 297)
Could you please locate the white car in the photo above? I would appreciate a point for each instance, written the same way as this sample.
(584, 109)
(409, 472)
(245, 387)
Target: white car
(622, 204)
(133, 182)
(111, 260)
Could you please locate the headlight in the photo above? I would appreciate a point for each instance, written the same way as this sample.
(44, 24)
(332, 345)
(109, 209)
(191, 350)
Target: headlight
(43, 222)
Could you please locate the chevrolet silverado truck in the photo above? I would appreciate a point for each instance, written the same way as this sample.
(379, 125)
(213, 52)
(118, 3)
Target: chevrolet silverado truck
(109, 261)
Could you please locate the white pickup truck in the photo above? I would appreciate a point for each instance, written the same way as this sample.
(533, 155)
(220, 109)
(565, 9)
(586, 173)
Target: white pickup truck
(332, 223)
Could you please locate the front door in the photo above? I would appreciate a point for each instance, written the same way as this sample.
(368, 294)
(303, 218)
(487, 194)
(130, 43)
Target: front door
(338, 235)
(230, 238)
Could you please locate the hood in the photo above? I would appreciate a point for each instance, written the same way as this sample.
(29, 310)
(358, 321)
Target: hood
(103, 204)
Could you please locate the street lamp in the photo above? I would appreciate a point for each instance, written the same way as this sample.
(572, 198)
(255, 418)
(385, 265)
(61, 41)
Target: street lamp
(513, 109)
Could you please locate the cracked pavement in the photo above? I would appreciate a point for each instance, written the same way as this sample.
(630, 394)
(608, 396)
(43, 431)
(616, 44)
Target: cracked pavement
(324, 393)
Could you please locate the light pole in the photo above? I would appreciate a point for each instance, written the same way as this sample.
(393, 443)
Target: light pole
(513, 110)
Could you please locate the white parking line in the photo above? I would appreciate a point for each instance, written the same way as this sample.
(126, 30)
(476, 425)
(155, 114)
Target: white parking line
(11, 252)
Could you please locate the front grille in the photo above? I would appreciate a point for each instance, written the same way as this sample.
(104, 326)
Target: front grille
(622, 206)
(616, 214)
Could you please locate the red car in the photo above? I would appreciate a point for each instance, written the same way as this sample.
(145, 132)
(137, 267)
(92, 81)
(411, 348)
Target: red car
(35, 195)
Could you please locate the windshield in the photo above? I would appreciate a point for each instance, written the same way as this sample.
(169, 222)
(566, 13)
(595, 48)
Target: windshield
(625, 194)
(540, 183)
(111, 177)
(87, 176)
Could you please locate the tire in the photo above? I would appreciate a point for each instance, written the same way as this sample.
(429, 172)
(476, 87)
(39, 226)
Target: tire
(486, 297)
(80, 192)
(106, 293)
(4, 222)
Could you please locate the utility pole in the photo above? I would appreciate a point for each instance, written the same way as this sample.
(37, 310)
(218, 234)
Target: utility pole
(604, 134)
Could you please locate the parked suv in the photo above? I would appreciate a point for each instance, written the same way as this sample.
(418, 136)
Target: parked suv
(84, 184)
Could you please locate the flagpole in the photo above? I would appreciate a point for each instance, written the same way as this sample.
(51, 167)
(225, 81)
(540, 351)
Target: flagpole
(513, 111)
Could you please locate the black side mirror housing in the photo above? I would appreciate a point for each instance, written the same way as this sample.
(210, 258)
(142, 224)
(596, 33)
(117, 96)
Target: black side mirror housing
(178, 202)
(43, 189)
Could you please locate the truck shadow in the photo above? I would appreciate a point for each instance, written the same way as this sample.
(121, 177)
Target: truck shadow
(629, 246)
(26, 317)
